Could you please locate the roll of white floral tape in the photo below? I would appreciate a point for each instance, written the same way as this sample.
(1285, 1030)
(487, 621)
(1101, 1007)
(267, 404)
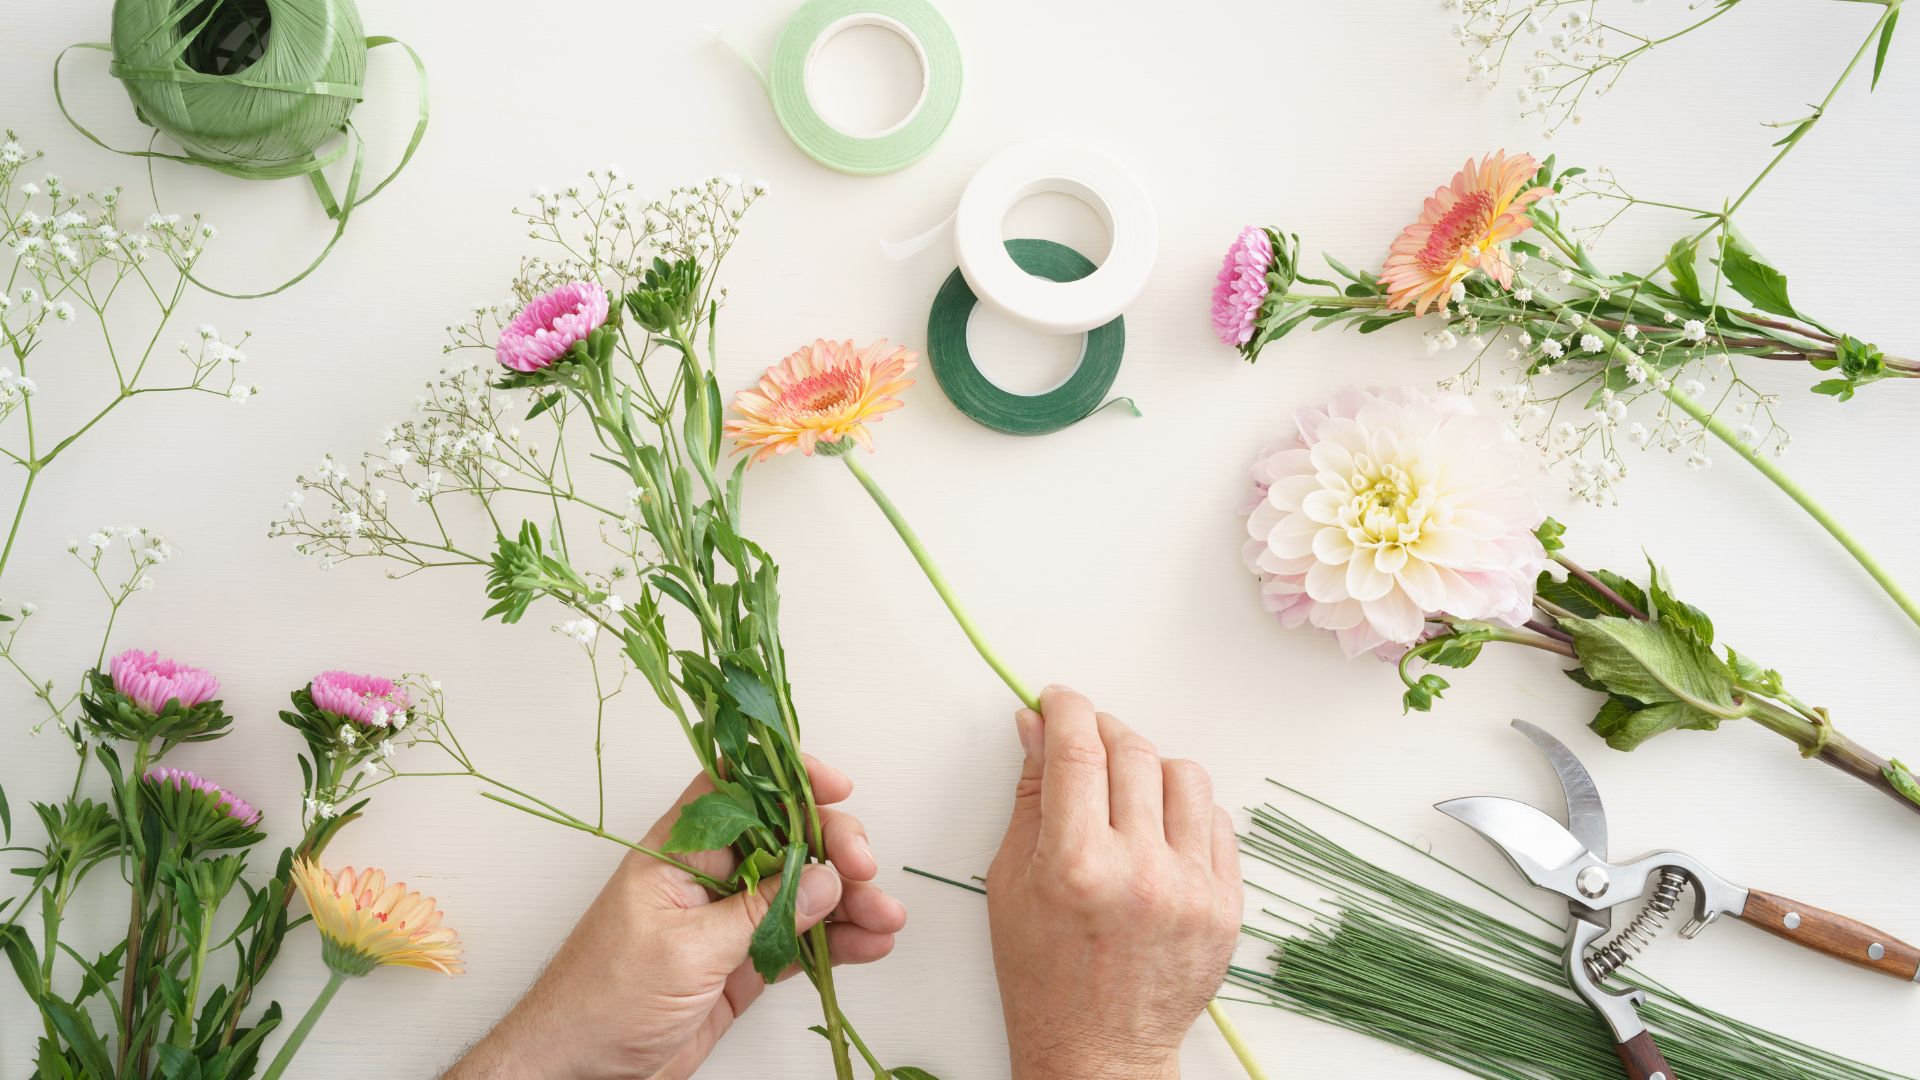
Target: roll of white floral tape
(1090, 175)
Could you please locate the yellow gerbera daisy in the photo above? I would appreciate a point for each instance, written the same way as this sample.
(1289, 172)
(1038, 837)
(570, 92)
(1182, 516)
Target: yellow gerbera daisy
(822, 394)
(1460, 230)
(365, 923)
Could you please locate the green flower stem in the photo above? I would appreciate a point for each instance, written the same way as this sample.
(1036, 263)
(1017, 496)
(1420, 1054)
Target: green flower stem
(1785, 483)
(292, 1045)
(1232, 1034)
(1823, 741)
(939, 582)
(570, 822)
(1026, 696)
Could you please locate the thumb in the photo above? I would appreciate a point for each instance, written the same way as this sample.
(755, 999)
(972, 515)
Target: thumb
(726, 927)
(1024, 824)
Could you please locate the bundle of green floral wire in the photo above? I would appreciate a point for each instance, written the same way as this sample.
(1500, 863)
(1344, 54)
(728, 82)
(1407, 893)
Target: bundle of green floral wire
(1396, 960)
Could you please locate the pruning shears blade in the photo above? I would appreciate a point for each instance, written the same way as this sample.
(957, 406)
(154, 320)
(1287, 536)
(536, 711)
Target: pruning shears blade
(1586, 818)
(1537, 846)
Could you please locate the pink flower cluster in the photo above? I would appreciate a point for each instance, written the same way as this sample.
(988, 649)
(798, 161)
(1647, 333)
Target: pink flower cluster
(1242, 286)
(546, 328)
(235, 807)
(369, 700)
(152, 681)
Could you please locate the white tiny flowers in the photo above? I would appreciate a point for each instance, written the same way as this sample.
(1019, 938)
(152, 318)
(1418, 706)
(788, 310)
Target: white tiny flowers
(1552, 349)
(1590, 343)
(615, 604)
(1525, 296)
(1459, 291)
(1639, 434)
(1694, 330)
(1630, 332)
(1699, 460)
(581, 631)
(1693, 388)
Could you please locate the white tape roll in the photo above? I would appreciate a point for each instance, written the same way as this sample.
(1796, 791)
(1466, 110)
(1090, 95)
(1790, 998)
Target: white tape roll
(1061, 307)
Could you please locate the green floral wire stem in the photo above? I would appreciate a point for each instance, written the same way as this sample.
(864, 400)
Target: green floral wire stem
(1228, 1031)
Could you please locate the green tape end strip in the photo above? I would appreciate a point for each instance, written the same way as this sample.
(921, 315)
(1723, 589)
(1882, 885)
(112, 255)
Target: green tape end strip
(979, 399)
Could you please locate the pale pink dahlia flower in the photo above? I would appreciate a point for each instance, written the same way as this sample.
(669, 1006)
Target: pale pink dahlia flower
(152, 681)
(1242, 286)
(232, 805)
(363, 699)
(546, 328)
(1390, 507)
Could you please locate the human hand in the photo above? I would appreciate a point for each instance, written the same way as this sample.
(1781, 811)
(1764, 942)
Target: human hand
(1114, 901)
(656, 970)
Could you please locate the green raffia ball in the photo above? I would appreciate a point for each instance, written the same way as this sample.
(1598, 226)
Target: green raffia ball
(253, 83)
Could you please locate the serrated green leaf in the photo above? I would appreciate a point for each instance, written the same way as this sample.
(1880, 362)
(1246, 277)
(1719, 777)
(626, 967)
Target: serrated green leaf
(752, 695)
(76, 1027)
(1762, 285)
(775, 944)
(1682, 267)
(1676, 612)
(1651, 662)
(1625, 724)
(711, 822)
(1550, 533)
(1586, 601)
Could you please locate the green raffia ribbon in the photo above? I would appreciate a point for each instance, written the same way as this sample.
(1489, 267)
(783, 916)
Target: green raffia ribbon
(921, 25)
(1084, 392)
(255, 89)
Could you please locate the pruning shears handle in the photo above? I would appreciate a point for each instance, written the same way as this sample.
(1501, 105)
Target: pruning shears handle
(1643, 1059)
(1835, 935)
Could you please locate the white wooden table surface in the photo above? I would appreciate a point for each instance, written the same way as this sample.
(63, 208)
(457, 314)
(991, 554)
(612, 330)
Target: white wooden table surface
(1105, 556)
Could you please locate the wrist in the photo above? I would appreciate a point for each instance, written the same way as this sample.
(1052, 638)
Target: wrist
(1063, 1063)
(518, 1048)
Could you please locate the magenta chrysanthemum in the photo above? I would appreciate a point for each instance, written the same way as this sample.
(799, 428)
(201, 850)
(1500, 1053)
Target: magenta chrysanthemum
(232, 805)
(546, 328)
(1388, 508)
(364, 699)
(152, 681)
(1242, 286)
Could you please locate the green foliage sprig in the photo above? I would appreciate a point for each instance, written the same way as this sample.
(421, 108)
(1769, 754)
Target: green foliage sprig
(1655, 658)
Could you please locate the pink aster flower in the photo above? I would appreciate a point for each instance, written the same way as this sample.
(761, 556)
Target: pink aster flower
(1388, 508)
(369, 700)
(546, 328)
(151, 681)
(1242, 286)
(226, 801)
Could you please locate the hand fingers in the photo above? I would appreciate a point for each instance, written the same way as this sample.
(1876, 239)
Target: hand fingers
(830, 785)
(1189, 809)
(847, 846)
(850, 944)
(725, 928)
(1023, 828)
(864, 904)
(1073, 800)
(1226, 849)
(1134, 797)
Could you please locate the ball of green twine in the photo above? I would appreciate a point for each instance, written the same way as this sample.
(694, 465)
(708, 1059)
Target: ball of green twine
(1023, 414)
(252, 83)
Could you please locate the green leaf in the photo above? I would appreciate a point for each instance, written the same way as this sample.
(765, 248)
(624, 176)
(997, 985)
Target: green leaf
(1549, 534)
(1626, 724)
(1421, 695)
(1675, 612)
(1681, 264)
(76, 1027)
(1762, 285)
(1586, 601)
(547, 401)
(1902, 780)
(1835, 388)
(711, 822)
(775, 944)
(1880, 54)
(908, 1072)
(6, 818)
(752, 696)
(1651, 662)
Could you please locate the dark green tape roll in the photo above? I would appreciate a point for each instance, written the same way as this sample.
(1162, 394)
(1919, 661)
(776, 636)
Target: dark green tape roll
(983, 402)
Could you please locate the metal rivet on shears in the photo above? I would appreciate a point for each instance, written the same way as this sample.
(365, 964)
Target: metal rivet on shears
(1591, 882)
(1658, 1076)
(1792, 920)
(1876, 950)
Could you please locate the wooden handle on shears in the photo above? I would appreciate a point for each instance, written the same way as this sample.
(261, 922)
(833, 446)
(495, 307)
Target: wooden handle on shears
(1643, 1059)
(1835, 935)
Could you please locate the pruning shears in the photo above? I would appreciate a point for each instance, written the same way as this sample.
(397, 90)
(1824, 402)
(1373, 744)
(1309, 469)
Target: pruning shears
(1571, 859)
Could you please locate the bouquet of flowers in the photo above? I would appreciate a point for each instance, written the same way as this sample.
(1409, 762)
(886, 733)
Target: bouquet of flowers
(597, 409)
(1395, 519)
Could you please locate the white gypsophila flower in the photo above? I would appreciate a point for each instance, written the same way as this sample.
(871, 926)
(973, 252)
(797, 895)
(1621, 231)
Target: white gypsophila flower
(1693, 388)
(1590, 343)
(1458, 292)
(1699, 460)
(1637, 372)
(1525, 296)
(1639, 434)
(615, 604)
(1553, 348)
(238, 393)
(580, 630)
(1630, 332)
(1694, 330)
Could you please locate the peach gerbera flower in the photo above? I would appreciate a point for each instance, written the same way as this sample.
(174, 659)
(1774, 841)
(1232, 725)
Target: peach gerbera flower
(826, 392)
(1460, 230)
(366, 923)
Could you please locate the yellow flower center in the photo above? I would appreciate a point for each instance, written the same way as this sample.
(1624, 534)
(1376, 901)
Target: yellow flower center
(825, 392)
(1386, 506)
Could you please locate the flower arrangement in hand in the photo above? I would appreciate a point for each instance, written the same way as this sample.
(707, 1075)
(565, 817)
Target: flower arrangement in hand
(616, 511)
(1396, 519)
(1581, 347)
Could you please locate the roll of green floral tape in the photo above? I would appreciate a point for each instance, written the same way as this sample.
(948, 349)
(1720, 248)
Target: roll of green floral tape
(254, 83)
(975, 395)
(899, 146)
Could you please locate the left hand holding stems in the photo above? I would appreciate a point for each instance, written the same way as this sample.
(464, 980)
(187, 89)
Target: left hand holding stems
(656, 971)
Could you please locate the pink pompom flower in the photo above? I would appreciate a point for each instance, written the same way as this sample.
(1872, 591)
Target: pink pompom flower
(1389, 508)
(151, 681)
(217, 797)
(1242, 286)
(368, 700)
(545, 329)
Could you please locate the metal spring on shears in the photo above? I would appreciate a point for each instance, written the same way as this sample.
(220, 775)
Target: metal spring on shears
(1619, 950)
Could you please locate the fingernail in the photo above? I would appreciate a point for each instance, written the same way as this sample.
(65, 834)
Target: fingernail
(1023, 726)
(819, 891)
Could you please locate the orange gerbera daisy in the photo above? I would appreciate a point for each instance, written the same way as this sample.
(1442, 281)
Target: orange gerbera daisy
(1461, 229)
(826, 392)
(366, 923)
